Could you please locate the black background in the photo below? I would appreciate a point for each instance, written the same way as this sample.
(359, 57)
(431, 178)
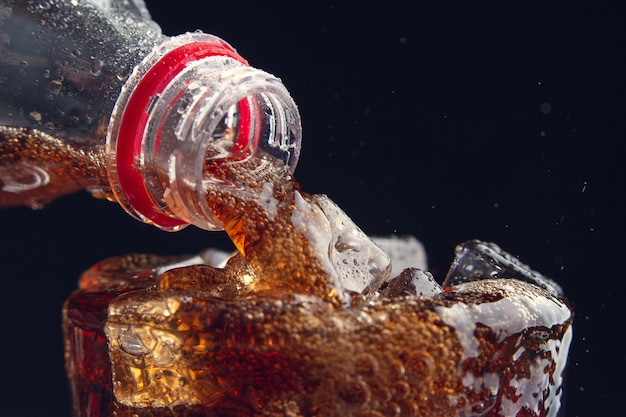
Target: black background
(448, 122)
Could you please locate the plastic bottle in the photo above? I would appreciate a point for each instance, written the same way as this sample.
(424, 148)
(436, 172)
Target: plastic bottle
(93, 96)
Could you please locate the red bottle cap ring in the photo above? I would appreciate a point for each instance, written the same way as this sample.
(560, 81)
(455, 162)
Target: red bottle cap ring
(135, 118)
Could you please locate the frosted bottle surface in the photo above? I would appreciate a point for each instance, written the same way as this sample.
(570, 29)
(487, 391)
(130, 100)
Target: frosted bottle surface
(64, 63)
(62, 67)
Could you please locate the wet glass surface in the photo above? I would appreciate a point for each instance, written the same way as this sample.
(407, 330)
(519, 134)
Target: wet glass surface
(450, 123)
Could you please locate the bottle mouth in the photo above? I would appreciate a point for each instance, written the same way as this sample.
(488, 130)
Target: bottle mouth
(191, 101)
(229, 120)
(236, 112)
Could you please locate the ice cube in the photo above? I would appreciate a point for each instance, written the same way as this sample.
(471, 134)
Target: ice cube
(412, 281)
(404, 251)
(476, 260)
(361, 265)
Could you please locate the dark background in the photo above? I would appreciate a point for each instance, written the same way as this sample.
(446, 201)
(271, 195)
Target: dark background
(447, 122)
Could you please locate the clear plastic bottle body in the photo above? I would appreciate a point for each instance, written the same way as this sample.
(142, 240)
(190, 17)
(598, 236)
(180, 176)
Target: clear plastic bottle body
(64, 62)
(92, 95)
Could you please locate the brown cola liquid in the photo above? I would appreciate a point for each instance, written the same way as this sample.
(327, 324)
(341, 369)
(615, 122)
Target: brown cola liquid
(257, 210)
(138, 347)
(269, 335)
(36, 168)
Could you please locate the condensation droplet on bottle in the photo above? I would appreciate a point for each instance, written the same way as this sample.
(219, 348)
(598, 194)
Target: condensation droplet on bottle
(24, 64)
(55, 86)
(183, 104)
(5, 39)
(35, 115)
(96, 68)
(44, 5)
(5, 12)
(46, 73)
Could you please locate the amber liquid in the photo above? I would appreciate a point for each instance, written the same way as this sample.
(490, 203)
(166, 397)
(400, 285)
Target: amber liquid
(36, 168)
(257, 212)
(138, 351)
(271, 334)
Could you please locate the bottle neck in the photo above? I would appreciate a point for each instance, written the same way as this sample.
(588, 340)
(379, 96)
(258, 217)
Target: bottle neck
(193, 102)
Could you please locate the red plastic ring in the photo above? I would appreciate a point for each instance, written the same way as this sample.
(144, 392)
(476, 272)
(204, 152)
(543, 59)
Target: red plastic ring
(135, 118)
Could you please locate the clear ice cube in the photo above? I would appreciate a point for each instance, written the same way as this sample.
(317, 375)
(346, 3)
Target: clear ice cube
(476, 260)
(404, 251)
(412, 281)
(360, 264)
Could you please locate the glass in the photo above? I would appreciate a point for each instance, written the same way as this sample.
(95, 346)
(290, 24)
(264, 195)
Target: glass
(155, 336)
